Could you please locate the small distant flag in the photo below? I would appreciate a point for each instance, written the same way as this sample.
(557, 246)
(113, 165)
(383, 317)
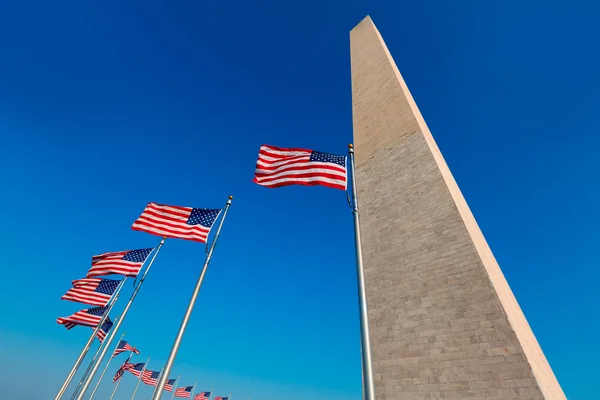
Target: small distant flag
(137, 369)
(126, 366)
(177, 222)
(128, 263)
(150, 377)
(184, 392)
(202, 396)
(104, 329)
(123, 346)
(169, 385)
(282, 167)
(89, 317)
(92, 291)
(221, 398)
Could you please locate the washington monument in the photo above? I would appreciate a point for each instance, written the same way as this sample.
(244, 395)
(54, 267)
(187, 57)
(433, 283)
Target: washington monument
(444, 321)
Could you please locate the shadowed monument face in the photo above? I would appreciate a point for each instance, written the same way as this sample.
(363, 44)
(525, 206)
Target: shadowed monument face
(444, 322)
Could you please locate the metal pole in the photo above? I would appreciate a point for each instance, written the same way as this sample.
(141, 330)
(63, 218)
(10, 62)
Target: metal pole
(174, 387)
(87, 346)
(117, 325)
(105, 368)
(193, 390)
(156, 387)
(116, 386)
(89, 368)
(365, 339)
(86, 372)
(188, 312)
(140, 378)
(118, 382)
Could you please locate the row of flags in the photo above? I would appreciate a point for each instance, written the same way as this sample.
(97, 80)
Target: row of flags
(151, 378)
(276, 167)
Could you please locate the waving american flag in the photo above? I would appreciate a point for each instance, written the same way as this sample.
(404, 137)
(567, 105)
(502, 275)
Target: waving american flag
(92, 291)
(128, 263)
(278, 166)
(177, 222)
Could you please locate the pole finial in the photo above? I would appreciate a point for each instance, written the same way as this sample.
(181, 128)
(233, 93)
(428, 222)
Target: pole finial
(350, 146)
(230, 197)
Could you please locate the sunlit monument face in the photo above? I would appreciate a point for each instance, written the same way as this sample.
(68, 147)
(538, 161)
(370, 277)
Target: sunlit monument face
(444, 322)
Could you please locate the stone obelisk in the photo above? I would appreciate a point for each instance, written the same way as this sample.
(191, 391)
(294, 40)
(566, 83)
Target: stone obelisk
(444, 322)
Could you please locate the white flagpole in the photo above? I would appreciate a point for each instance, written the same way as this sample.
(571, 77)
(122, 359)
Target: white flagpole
(175, 387)
(156, 387)
(116, 386)
(115, 328)
(119, 381)
(105, 368)
(140, 378)
(86, 372)
(365, 339)
(89, 367)
(87, 346)
(193, 390)
(190, 307)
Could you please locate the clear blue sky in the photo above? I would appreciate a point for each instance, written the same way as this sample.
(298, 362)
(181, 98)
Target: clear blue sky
(105, 106)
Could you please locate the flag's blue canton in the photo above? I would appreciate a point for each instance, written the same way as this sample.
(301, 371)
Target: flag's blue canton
(203, 216)
(139, 367)
(107, 325)
(96, 311)
(107, 286)
(326, 157)
(154, 374)
(122, 344)
(188, 388)
(137, 255)
(171, 381)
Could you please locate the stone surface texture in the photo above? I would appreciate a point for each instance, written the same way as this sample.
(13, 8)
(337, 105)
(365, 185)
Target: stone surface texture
(444, 322)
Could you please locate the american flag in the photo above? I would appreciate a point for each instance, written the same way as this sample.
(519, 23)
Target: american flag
(125, 367)
(104, 329)
(123, 346)
(177, 222)
(92, 291)
(184, 392)
(169, 385)
(87, 317)
(282, 167)
(137, 369)
(202, 396)
(150, 377)
(221, 398)
(128, 263)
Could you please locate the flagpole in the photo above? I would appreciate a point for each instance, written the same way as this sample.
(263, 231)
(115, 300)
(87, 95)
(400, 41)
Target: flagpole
(86, 372)
(365, 339)
(140, 378)
(193, 390)
(175, 387)
(116, 386)
(159, 375)
(190, 307)
(119, 380)
(87, 346)
(105, 368)
(115, 328)
(76, 391)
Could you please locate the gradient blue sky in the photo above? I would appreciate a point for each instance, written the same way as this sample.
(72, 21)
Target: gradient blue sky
(105, 106)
